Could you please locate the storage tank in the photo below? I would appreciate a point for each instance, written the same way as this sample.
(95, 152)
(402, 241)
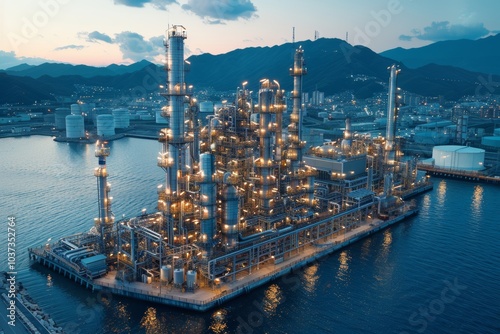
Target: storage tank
(191, 279)
(159, 119)
(122, 118)
(74, 126)
(105, 125)
(458, 157)
(60, 118)
(207, 107)
(496, 132)
(166, 273)
(99, 111)
(178, 276)
(75, 109)
(492, 141)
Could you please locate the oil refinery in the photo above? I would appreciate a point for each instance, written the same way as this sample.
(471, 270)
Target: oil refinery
(243, 199)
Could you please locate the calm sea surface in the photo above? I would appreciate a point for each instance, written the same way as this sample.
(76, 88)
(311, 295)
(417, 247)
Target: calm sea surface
(438, 272)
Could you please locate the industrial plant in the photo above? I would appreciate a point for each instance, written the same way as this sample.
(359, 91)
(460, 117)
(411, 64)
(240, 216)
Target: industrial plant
(243, 200)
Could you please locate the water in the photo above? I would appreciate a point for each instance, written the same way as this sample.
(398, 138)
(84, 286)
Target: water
(435, 273)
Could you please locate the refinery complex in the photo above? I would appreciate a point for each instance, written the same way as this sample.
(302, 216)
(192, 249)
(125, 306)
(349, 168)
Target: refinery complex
(244, 198)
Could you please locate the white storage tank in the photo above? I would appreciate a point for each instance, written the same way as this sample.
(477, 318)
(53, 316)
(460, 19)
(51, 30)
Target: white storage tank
(178, 276)
(166, 273)
(159, 118)
(105, 125)
(60, 117)
(458, 157)
(492, 141)
(191, 279)
(122, 118)
(75, 109)
(99, 111)
(206, 107)
(74, 126)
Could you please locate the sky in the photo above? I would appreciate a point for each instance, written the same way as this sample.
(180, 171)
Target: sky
(102, 32)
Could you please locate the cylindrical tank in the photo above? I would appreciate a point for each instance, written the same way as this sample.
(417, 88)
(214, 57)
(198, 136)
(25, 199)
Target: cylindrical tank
(76, 109)
(74, 126)
(207, 107)
(178, 276)
(458, 157)
(105, 125)
(166, 273)
(231, 215)
(99, 111)
(60, 119)
(493, 141)
(158, 117)
(122, 118)
(191, 279)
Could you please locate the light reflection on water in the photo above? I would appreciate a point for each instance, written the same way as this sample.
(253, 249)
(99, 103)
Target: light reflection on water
(441, 192)
(477, 200)
(310, 278)
(343, 272)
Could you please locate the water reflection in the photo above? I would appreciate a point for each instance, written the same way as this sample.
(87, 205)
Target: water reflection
(150, 322)
(49, 281)
(311, 278)
(273, 297)
(219, 323)
(477, 200)
(441, 193)
(343, 271)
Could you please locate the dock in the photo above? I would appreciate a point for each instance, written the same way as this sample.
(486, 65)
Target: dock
(470, 176)
(205, 298)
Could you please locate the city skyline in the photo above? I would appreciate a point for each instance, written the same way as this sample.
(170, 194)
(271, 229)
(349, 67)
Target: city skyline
(125, 31)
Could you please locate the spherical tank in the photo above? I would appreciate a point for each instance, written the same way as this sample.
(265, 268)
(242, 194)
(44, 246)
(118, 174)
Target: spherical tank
(60, 118)
(122, 118)
(74, 126)
(458, 157)
(105, 125)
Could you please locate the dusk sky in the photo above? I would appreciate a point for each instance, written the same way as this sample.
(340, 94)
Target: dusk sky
(101, 32)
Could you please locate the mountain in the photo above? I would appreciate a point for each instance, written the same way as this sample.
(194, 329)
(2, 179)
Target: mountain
(474, 55)
(22, 90)
(58, 70)
(334, 66)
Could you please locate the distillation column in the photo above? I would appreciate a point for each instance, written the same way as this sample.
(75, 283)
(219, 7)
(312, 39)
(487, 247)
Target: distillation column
(266, 164)
(208, 206)
(295, 153)
(301, 176)
(104, 223)
(389, 157)
(174, 139)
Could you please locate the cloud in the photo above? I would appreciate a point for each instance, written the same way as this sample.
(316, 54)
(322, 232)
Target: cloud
(441, 31)
(218, 11)
(158, 4)
(9, 59)
(135, 47)
(96, 36)
(71, 46)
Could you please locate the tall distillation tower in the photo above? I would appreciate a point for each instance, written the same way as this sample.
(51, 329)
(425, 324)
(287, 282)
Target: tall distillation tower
(301, 178)
(177, 139)
(392, 112)
(104, 223)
